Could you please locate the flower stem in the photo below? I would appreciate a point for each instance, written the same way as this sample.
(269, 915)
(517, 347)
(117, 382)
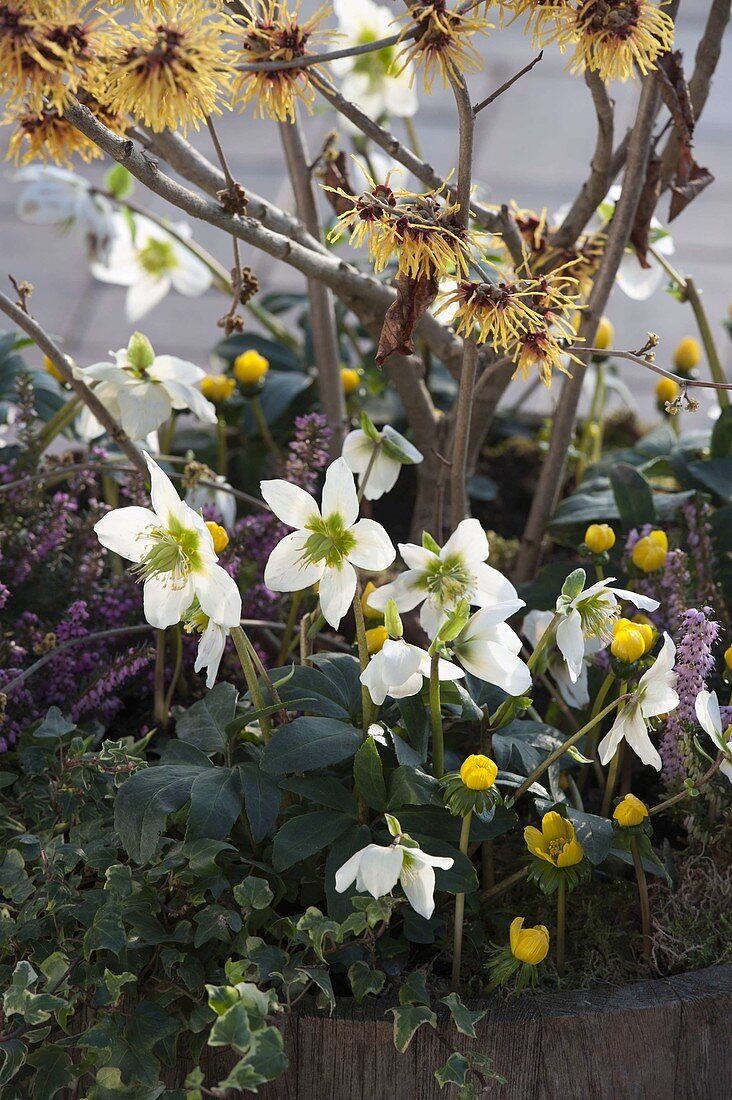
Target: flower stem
(543, 642)
(159, 710)
(58, 423)
(561, 923)
(263, 426)
(289, 628)
(177, 638)
(363, 656)
(612, 778)
(457, 945)
(240, 641)
(438, 737)
(640, 877)
(560, 751)
(367, 473)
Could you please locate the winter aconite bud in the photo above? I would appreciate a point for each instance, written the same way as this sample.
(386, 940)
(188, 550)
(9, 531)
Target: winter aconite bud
(605, 334)
(219, 536)
(687, 354)
(649, 553)
(350, 380)
(250, 367)
(631, 811)
(628, 645)
(667, 390)
(217, 387)
(479, 772)
(529, 945)
(599, 537)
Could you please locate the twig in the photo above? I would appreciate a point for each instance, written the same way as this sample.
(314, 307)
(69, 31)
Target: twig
(551, 479)
(601, 174)
(236, 282)
(65, 366)
(508, 83)
(685, 383)
(322, 314)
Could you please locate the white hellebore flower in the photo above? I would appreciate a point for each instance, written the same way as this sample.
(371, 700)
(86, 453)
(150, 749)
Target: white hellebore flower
(368, 79)
(212, 642)
(574, 692)
(708, 715)
(140, 389)
(201, 496)
(327, 543)
(488, 648)
(398, 670)
(588, 614)
(377, 870)
(378, 457)
(654, 695)
(440, 578)
(56, 197)
(638, 282)
(173, 552)
(150, 262)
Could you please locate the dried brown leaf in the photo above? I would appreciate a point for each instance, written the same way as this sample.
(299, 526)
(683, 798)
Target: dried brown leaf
(414, 298)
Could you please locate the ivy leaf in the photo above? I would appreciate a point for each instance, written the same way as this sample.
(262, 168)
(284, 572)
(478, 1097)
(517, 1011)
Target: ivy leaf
(265, 1061)
(414, 990)
(321, 976)
(463, 1018)
(53, 1071)
(454, 1071)
(232, 1029)
(368, 775)
(365, 980)
(12, 1057)
(53, 726)
(253, 893)
(409, 1019)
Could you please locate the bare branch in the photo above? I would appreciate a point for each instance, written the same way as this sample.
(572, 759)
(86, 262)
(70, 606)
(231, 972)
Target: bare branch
(507, 84)
(65, 366)
(601, 167)
(633, 357)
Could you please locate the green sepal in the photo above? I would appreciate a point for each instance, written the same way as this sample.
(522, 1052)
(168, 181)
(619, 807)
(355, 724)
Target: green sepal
(140, 351)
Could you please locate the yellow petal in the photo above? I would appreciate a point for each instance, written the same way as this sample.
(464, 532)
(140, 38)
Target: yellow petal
(570, 854)
(534, 839)
(556, 827)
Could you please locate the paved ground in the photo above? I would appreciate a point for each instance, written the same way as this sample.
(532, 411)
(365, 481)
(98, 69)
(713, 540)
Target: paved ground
(533, 146)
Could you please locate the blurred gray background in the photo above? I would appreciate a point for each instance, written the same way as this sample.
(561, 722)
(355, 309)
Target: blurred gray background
(533, 146)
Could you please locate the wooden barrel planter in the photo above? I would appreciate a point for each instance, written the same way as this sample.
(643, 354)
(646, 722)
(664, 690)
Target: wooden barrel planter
(667, 1039)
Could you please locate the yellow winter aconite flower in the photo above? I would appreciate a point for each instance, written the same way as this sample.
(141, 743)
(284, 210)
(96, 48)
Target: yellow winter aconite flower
(350, 380)
(687, 354)
(631, 811)
(613, 39)
(375, 638)
(556, 843)
(219, 536)
(52, 369)
(667, 390)
(528, 945)
(640, 624)
(368, 611)
(628, 644)
(170, 69)
(728, 657)
(479, 772)
(217, 387)
(273, 32)
(649, 553)
(250, 366)
(441, 40)
(599, 537)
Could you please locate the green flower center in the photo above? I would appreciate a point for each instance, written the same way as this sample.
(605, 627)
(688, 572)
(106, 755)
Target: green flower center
(375, 64)
(597, 618)
(175, 551)
(447, 581)
(331, 541)
(195, 620)
(157, 257)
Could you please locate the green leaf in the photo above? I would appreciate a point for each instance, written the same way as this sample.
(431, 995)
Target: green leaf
(365, 980)
(204, 724)
(721, 442)
(413, 990)
(144, 802)
(115, 983)
(118, 181)
(232, 1029)
(216, 802)
(463, 1018)
(320, 975)
(316, 929)
(309, 743)
(12, 1057)
(53, 1071)
(253, 893)
(323, 791)
(410, 786)
(53, 726)
(453, 1072)
(265, 1061)
(305, 835)
(715, 475)
(262, 798)
(407, 1021)
(368, 775)
(633, 496)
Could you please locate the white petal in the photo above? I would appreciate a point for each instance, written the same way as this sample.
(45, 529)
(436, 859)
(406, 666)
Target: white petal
(168, 368)
(290, 503)
(379, 868)
(287, 570)
(483, 622)
(571, 643)
(491, 586)
(391, 668)
(432, 616)
(373, 549)
(143, 408)
(468, 541)
(708, 716)
(638, 282)
(337, 589)
(644, 602)
(339, 493)
(404, 591)
(443, 862)
(210, 651)
(190, 277)
(609, 744)
(125, 531)
(218, 595)
(495, 665)
(164, 497)
(417, 557)
(184, 396)
(535, 624)
(410, 687)
(346, 874)
(144, 294)
(357, 451)
(382, 477)
(418, 883)
(164, 603)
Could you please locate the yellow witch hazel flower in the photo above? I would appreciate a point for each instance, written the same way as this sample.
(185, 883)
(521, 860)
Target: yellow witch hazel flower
(420, 229)
(274, 32)
(169, 70)
(438, 37)
(613, 39)
(46, 135)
